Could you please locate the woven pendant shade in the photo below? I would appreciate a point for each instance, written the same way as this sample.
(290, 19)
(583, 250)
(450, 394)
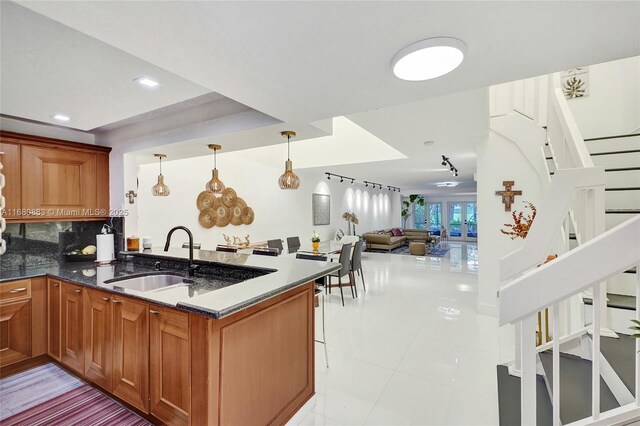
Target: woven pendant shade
(288, 180)
(215, 185)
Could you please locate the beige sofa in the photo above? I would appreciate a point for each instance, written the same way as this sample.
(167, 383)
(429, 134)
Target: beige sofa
(387, 241)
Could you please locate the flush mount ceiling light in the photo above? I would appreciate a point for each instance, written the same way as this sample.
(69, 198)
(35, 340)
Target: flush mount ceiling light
(61, 117)
(446, 184)
(427, 59)
(147, 82)
(160, 189)
(215, 185)
(288, 180)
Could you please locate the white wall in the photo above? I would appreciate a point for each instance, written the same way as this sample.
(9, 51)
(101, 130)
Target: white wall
(613, 104)
(278, 213)
(499, 159)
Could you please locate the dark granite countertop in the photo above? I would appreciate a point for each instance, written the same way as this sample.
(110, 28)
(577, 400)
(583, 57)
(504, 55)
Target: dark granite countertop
(223, 284)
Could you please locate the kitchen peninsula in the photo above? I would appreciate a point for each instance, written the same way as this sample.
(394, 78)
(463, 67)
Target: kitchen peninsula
(233, 344)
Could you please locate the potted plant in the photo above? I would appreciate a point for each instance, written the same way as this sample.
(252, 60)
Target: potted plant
(352, 221)
(406, 212)
(315, 240)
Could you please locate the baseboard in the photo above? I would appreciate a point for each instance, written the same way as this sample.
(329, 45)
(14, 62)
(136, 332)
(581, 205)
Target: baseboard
(27, 364)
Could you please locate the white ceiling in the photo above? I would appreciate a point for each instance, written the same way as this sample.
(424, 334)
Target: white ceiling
(298, 63)
(306, 61)
(48, 68)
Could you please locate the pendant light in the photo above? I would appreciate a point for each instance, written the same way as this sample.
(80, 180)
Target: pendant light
(215, 185)
(288, 180)
(160, 189)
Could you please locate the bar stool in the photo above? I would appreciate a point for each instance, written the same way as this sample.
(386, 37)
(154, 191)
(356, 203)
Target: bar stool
(320, 282)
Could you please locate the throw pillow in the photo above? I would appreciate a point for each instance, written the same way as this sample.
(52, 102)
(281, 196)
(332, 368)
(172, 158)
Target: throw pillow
(397, 232)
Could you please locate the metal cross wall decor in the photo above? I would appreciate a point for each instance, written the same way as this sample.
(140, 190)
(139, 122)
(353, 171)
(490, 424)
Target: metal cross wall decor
(508, 194)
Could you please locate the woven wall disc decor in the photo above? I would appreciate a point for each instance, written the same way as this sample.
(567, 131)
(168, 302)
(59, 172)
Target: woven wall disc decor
(208, 218)
(229, 197)
(205, 200)
(247, 216)
(223, 215)
(223, 209)
(236, 212)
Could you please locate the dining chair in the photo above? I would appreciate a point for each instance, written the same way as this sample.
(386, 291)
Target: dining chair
(266, 251)
(345, 269)
(320, 282)
(277, 244)
(228, 249)
(350, 239)
(293, 244)
(356, 263)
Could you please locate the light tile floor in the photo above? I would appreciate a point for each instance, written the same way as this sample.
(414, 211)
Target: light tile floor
(412, 349)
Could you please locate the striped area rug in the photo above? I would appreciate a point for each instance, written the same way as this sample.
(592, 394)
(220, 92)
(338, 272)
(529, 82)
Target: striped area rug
(83, 405)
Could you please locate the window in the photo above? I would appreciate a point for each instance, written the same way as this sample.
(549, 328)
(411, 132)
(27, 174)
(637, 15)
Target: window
(435, 218)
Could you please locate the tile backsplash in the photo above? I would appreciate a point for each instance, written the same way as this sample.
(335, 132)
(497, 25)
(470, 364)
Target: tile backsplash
(42, 243)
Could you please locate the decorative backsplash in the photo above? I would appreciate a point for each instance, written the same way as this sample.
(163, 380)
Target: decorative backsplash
(42, 243)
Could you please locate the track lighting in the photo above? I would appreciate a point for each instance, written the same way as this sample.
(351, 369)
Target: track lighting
(452, 168)
(374, 185)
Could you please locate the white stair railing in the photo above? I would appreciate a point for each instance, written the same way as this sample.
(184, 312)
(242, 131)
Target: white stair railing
(582, 268)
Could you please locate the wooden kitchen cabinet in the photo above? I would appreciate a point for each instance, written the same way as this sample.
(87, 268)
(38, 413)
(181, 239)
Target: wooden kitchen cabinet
(10, 159)
(98, 338)
(71, 327)
(54, 297)
(169, 366)
(51, 179)
(131, 351)
(55, 179)
(15, 331)
(38, 316)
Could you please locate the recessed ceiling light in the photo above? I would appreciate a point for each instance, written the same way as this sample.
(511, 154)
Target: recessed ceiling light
(61, 117)
(429, 143)
(147, 82)
(428, 58)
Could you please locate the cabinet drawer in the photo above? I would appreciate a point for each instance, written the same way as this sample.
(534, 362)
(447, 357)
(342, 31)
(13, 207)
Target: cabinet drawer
(15, 290)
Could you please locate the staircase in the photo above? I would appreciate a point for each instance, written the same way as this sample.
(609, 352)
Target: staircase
(586, 374)
(620, 156)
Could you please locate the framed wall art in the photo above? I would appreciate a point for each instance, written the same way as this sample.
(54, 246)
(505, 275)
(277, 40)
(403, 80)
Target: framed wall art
(321, 209)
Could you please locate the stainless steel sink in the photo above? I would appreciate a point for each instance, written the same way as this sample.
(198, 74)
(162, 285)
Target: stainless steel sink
(149, 282)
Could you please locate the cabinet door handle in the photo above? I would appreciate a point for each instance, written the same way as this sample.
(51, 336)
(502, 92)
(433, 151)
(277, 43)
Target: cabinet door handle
(116, 301)
(78, 290)
(151, 311)
(106, 299)
(56, 284)
(18, 290)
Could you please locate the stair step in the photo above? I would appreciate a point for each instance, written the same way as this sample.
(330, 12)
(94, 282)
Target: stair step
(509, 400)
(575, 387)
(604, 138)
(622, 169)
(621, 354)
(624, 188)
(618, 301)
(627, 151)
(622, 211)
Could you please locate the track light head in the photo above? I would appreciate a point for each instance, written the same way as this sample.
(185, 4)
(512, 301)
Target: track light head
(352, 181)
(341, 180)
